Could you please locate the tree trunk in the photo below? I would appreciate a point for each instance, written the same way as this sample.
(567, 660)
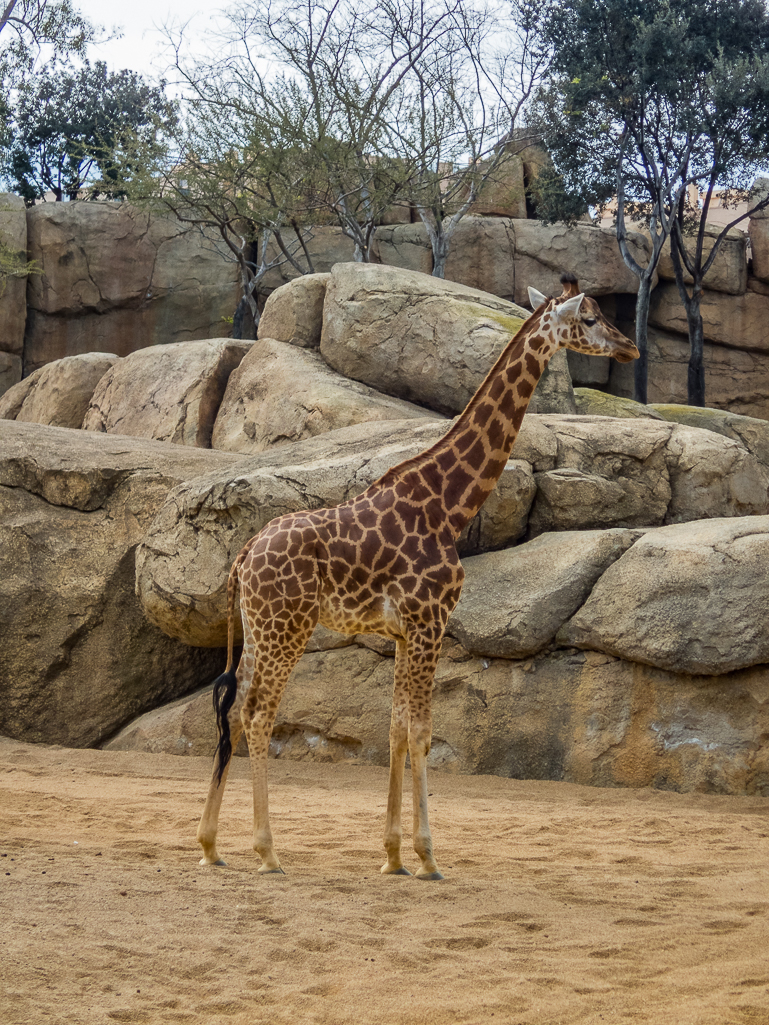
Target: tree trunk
(695, 382)
(695, 379)
(641, 367)
(440, 247)
(237, 318)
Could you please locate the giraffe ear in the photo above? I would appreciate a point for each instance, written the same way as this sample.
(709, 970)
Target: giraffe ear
(536, 298)
(570, 308)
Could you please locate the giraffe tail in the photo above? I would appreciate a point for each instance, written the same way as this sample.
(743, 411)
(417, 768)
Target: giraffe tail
(226, 685)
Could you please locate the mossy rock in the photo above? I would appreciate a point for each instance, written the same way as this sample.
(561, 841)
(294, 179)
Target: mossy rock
(721, 421)
(749, 430)
(592, 402)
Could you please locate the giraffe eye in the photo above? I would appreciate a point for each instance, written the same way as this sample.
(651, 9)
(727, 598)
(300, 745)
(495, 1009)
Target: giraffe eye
(590, 321)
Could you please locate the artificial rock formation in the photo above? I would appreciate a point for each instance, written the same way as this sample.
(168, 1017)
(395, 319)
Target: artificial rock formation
(689, 598)
(79, 657)
(59, 393)
(735, 379)
(729, 272)
(166, 392)
(281, 393)
(423, 339)
(567, 473)
(577, 716)
(737, 321)
(115, 279)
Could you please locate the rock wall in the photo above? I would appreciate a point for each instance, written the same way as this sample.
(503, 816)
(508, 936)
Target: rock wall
(113, 279)
(612, 625)
(13, 306)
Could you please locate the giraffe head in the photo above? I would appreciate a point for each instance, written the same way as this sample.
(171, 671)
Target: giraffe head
(576, 322)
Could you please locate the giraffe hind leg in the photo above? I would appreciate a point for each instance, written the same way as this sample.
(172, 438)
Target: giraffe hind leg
(229, 692)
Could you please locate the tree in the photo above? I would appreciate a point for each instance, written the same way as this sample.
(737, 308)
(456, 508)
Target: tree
(628, 112)
(462, 110)
(227, 180)
(67, 127)
(730, 133)
(386, 103)
(28, 25)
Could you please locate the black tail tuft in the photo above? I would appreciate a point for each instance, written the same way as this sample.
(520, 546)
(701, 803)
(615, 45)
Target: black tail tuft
(225, 689)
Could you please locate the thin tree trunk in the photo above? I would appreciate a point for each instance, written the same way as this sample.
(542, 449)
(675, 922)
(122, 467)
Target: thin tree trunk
(695, 381)
(6, 14)
(695, 378)
(237, 318)
(641, 366)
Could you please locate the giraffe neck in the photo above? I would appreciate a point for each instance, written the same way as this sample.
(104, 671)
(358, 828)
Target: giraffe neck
(462, 469)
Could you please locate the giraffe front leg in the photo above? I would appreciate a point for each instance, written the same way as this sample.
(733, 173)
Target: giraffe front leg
(398, 748)
(423, 658)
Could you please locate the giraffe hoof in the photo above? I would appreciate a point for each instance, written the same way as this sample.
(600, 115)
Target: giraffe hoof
(205, 861)
(402, 871)
(271, 871)
(429, 876)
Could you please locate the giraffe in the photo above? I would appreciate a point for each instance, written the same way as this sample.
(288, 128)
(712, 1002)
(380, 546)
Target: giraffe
(384, 562)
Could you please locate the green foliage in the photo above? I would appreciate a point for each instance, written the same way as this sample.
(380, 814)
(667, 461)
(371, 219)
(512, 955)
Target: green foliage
(69, 130)
(28, 25)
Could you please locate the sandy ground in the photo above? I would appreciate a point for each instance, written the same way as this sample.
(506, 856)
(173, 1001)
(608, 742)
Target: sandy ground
(561, 903)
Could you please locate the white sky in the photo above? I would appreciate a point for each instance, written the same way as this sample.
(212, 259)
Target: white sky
(141, 21)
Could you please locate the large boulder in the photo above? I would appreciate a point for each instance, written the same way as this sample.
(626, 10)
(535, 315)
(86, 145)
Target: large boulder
(281, 393)
(13, 300)
(59, 393)
(739, 321)
(293, 313)
(735, 379)
(579, 717)
(421, 338)
(544, 251)
(729, 272)
(183, 562)
(513, 603)
(79, 657)
(688, 598)
(116, 279)
(167, 392)
(627, 473)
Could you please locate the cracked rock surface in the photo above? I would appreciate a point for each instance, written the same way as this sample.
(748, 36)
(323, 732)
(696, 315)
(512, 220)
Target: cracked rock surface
(689, 598)
(78, 656)
(166, 392)
(576, 716)
(282, 393)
